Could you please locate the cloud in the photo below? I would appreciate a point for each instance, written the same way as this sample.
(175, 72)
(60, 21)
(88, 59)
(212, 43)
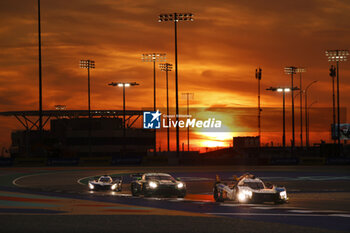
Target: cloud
(218, 52)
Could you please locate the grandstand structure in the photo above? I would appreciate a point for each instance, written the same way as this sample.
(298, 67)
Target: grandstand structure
(72, 133)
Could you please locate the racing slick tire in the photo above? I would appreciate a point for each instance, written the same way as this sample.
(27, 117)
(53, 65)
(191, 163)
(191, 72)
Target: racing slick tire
(182, 195)
(279, 202)
(134, 190)
(147, 194)
(218, 195)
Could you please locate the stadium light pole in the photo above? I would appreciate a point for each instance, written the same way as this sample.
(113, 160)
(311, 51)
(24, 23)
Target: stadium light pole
(337, 55)
(301, 70)
(123, 85)
(176, 17)
(332, 73)
(187, 96)
(283, 90)
(291, 70)
(258, 73)
(306, 113)
(154, 57)
(88, 64)
(167, 67)
(308, 125)
(40, 78)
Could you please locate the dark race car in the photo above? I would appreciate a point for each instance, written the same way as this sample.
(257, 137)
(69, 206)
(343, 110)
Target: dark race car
(106, 182)
(157, 184)
(248, 189)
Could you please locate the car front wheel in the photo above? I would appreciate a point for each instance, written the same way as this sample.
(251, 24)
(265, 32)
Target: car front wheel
(134, 190)
(218, 195)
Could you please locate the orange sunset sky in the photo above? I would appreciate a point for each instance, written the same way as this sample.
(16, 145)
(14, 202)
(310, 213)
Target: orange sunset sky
(218, 54)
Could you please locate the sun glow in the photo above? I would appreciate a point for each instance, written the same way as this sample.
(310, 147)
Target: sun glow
(215, 139)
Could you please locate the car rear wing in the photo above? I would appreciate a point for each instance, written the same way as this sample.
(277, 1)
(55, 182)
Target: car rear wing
(117, 178)
(218, 179)
(136, 176)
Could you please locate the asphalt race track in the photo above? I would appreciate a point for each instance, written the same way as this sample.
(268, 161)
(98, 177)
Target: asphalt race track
(57, 200)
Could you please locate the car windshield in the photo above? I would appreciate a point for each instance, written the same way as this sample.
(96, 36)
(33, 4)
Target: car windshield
(159, 177)
(254, 185)
(105, 179)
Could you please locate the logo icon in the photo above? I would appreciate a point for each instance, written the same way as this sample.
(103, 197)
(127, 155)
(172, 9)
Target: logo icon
(151, 120)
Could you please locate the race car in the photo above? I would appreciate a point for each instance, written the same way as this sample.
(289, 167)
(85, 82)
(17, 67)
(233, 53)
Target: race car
(157, 184)
(106, 182)
(248, 189)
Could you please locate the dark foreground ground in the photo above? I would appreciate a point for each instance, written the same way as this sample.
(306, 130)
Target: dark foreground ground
(131, 223)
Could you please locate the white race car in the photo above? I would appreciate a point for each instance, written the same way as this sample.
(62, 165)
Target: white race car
(248, 189)
(106, 182)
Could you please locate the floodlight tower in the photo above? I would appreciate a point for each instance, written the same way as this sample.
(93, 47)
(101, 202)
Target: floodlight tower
(258, 77)
(301, 70)
(332, 73)
(40, 78)
(283, 90)
(292, 70)
(154, 57)
(88, 64)
(123, 85)
(167, 67)
(176, 17)
(337, 55)
(187, 96)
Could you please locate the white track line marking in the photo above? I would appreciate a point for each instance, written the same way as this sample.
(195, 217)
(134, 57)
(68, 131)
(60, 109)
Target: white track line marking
(242, 205)
(301, 211)
(79, 180)
(14, 182)
(199, 203)
(176, 200)
(280, 214)
(340, 215)
(120, 195)
(265, 207)
(331, 211)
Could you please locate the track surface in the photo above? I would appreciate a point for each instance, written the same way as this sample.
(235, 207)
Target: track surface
(319, 199)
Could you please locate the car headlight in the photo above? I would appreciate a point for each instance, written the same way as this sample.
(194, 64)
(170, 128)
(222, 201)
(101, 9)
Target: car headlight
(247, 193)
(152, 184)
(91, 186)
(113, 186)
(180, 185)
(283, 195)
(243, 195)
